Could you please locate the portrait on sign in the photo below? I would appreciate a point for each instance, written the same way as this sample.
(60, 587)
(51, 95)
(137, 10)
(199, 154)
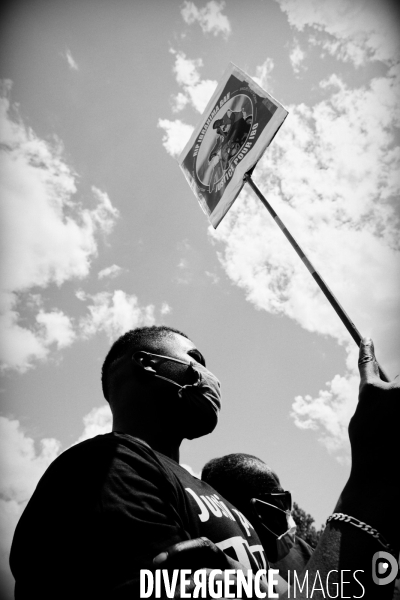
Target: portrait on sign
(238, 124)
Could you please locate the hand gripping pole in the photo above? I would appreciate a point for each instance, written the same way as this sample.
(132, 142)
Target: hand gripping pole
(347, 322)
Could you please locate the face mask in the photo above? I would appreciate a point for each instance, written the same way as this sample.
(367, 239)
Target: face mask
(278, 522)
(285, 542)
(199, 402)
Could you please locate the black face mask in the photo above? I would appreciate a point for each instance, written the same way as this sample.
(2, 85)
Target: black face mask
(198, 402)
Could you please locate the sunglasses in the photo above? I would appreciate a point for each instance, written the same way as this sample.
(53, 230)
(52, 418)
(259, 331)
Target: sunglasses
(281, 500)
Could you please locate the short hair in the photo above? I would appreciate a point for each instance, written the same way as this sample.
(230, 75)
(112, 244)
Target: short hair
(240, 477)
(217, 123)
(147, 338)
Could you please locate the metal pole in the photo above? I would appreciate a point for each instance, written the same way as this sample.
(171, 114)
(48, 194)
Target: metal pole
(347, 322)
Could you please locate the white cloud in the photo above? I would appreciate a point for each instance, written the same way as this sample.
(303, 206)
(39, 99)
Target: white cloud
(296, 57)
(57, 328)
(102, 218)
(185, 275)
(40, 242)
(361, 30)
(196, 91)
(114, 313)
(111, 272)
(213, 276)
(263, 73)
(165, 309)
(71, 61)
(21, 466)
(210, 17)
(111, 313)
(97, 422)
(176, 136)
(20, 345)
(332, 174)
(180, 101)
(330, 412)
(47, 236)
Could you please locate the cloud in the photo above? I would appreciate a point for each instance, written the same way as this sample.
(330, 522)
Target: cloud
(47, 236)
(114, 313)
(330, 412)
(185, 274)
(97, 422)
(71, 61)
(360, 30)
(57, 328)
(22, 463)
(263, 73)
(213, 276)
(176, 136)
(187, 265)
(101, 218)
(210, 17)
(165, 309)
(21, 466)
(111, 272)
(196, 91)
(111, 313)
(296, 57)
(20, 345)
(332, 174)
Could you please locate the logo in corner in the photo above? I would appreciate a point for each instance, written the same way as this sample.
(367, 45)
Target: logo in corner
(384, 568)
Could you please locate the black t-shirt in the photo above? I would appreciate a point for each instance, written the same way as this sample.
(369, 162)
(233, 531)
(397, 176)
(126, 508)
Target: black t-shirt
(104, 509)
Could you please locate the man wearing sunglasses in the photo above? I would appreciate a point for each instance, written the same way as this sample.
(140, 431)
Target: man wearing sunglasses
(255, 489)
(107, 506)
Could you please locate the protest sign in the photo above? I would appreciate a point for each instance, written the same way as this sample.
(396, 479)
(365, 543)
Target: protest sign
(237, 125)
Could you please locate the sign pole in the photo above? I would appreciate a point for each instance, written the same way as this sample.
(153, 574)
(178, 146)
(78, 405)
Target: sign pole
(347, 322)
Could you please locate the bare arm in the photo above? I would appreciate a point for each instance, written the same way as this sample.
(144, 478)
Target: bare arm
(371, 494)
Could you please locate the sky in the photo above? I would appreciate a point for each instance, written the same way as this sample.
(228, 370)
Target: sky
(101, 233)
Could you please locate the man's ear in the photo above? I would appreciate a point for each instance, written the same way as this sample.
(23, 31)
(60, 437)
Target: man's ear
(145, 361)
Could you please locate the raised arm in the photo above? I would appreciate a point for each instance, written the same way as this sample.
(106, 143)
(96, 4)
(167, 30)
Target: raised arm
(367, 521)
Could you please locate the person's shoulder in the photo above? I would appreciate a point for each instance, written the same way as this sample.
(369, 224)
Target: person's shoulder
(173, 467)
(304, 547)
(92, 464)
(113, 441)
(114, 438)
(100, 450)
